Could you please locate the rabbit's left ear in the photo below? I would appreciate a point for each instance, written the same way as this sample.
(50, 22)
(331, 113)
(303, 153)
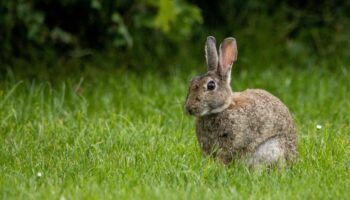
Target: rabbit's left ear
(211, 53)
(228, 55)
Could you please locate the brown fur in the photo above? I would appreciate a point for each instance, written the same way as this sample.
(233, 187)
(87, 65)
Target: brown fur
(253, 117)
(251, 125)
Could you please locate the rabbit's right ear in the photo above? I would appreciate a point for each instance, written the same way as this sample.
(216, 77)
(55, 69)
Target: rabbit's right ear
(228, 55)
(211, 53)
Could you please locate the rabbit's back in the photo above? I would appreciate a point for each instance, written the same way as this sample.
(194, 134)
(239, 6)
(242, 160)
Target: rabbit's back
(254, 117)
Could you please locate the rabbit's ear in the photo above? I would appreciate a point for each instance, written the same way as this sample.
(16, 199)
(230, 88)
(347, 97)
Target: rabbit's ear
(228, 55)
(211, 53)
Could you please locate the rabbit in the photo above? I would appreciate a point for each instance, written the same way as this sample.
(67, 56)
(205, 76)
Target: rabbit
(251, 126)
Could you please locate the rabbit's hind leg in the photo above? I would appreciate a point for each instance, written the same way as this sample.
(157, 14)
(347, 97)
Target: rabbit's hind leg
(268, 153)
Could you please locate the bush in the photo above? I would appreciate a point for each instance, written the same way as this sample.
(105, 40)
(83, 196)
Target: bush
(162, 32)
(94, 24)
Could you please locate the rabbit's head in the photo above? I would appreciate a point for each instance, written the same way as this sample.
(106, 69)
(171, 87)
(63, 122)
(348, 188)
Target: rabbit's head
(211, 92)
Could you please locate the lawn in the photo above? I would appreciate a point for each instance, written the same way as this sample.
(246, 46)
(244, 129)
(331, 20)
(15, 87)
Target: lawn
(117, 134)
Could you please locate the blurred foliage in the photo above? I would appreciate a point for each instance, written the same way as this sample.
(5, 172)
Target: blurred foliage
(155, 33)
(289, 31)
(93, 24)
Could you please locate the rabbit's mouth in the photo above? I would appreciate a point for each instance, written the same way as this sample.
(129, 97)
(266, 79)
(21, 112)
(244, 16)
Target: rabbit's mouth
(196, 111)
(200, 112)
(204, 113)
(219, 108)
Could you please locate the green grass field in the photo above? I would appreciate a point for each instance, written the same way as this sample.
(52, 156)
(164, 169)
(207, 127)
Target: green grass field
(113, 134)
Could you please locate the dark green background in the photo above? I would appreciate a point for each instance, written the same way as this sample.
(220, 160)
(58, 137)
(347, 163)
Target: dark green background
(161, 34)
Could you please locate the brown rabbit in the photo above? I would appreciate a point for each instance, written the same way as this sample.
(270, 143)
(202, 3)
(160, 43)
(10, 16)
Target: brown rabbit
(252, 125)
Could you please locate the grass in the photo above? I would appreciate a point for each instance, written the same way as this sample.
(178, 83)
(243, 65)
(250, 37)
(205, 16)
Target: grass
(121, 135)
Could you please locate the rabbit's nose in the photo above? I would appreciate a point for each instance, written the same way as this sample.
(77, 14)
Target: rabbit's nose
(189, 110)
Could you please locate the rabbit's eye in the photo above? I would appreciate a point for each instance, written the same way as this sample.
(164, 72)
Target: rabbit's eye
(211, 85)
